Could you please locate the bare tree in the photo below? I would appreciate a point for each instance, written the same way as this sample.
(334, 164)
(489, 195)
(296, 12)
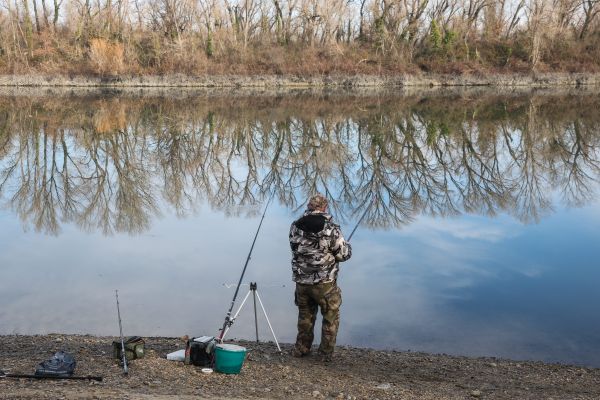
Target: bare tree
(591, 8)
(172, 17)
(443, 11)
(57, 5)
(537, 22)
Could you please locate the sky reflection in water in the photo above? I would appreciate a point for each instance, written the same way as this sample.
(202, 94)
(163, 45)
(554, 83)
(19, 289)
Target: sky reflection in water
(461, 283)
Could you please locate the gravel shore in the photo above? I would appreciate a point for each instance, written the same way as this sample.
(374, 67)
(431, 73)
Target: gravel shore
(353, 374)
(285, 81)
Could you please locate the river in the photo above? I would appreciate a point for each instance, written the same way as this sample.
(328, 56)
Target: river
(480, 237)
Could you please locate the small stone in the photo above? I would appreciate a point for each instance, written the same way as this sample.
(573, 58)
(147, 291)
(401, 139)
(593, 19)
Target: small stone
(476, 393)
(384, 386)
(316, 393)
(493, 364)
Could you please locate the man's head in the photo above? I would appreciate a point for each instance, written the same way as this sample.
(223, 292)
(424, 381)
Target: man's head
(318, 202)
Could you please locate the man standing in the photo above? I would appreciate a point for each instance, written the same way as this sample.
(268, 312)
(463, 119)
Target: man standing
(317, 249)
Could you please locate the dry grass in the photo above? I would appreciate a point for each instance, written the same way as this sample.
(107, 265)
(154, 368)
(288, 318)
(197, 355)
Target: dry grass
(106, 58)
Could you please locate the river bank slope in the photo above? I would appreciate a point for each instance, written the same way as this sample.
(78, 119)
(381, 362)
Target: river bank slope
(354, 374)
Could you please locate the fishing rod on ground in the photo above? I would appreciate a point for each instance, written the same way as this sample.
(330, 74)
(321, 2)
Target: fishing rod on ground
(228, 320)
(27, 376)
(125, 369)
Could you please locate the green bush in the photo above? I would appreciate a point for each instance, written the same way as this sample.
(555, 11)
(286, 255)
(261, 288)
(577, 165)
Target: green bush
(449, 39)
(435, 35)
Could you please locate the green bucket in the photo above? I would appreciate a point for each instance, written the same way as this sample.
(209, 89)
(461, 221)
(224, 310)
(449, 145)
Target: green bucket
(229, 358)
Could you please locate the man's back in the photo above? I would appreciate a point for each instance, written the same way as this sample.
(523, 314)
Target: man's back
(317, 247)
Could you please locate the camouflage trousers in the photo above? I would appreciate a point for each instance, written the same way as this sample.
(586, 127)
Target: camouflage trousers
(309, 298)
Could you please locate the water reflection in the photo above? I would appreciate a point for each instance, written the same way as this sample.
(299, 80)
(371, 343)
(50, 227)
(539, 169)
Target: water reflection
(104, 163)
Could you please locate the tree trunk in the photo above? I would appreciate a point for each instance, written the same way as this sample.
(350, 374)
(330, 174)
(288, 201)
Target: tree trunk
(35, 15)
(45, 14)
(56, 13)
(28, 26)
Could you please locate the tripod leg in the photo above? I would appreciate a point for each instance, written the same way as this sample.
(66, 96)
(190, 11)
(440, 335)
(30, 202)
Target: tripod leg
(268, 322)
(255, 314)
(235, 316)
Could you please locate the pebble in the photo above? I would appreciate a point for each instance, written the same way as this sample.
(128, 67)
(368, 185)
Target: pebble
(316, 393)
(384, 386)
(493, 364)
(476, 393)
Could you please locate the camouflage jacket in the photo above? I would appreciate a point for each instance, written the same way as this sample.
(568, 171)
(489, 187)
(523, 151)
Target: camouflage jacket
(317, 248)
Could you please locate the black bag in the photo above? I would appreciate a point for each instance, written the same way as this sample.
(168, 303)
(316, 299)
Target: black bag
(61, 364)
(134, 348)
(198, 351)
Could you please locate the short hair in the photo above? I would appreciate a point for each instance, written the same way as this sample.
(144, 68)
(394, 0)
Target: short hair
(317, 202)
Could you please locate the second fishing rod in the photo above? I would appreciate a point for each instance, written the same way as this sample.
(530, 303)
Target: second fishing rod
(228, 320)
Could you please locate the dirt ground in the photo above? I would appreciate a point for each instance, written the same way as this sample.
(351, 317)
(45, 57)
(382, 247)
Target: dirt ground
(353, 374)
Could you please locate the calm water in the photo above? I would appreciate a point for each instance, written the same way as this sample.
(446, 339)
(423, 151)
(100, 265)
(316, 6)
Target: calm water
(482, 240)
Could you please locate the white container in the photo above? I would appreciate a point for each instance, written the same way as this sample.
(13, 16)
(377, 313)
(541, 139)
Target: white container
(178, 355)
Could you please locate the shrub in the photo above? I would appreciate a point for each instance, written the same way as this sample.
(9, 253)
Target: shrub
(449, 38)
(106, 57)
(435, 35)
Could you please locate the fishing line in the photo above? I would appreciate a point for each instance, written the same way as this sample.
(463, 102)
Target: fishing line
(362, 217)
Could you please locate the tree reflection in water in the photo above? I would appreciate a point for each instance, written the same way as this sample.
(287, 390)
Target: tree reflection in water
(104, 162)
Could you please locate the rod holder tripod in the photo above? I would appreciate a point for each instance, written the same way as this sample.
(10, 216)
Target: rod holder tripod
(255, 295)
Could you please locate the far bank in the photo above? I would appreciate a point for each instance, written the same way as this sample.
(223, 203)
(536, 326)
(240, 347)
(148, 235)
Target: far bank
(533, 80)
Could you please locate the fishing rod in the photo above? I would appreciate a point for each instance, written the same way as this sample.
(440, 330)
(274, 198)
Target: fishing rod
(361, 218)
(125, 369)
(78, 378)
(228, 320)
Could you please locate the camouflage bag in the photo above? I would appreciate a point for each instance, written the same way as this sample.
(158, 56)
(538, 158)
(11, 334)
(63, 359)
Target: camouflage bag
(134, 348)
